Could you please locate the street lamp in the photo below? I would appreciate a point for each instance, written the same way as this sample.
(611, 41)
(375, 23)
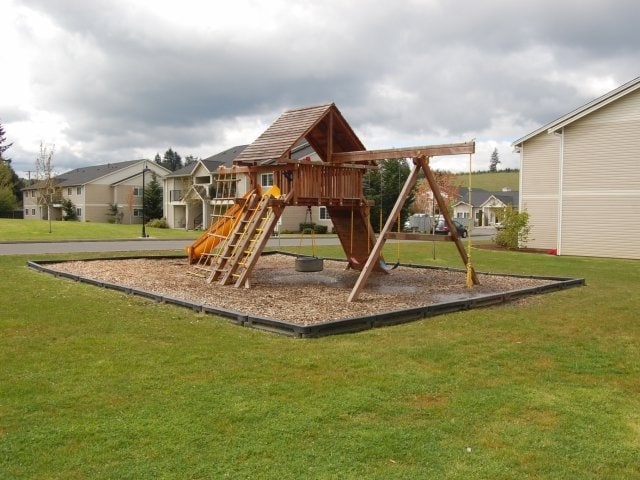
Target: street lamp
(144, 233)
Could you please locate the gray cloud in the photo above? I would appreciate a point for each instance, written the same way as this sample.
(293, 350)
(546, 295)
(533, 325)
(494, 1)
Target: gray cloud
(129, 82)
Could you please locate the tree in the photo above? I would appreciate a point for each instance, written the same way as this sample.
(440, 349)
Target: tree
(152, 199)
(424, 199)
(515, 228)
(383, 187)
(171, 160)
(495, 160)
(8, 201)
(189, 159)
(69, 210)
(10, 183)
(46, 191)
(131, 200)
(114, 214)
(3, 148)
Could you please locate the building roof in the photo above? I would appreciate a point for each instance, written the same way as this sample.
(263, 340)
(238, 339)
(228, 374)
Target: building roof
(480, 196)
(581, 112)
(222, 159)
(84, 175)
(322, 126)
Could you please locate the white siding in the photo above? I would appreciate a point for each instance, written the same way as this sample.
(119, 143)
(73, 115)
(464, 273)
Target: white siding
(601, 182)
(540, 180)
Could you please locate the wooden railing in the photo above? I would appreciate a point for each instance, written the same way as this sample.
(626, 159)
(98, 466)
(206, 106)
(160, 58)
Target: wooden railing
(321, 184)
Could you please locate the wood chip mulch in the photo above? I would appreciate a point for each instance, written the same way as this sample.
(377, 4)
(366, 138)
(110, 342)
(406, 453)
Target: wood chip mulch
(279, 292)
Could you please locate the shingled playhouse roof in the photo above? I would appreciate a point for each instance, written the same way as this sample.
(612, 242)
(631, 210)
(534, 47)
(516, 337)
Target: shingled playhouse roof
(322, 126)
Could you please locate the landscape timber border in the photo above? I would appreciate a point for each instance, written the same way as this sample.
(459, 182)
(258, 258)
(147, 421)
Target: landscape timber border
(332, 327)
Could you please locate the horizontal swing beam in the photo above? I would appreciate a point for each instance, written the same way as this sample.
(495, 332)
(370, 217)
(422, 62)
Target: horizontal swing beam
(410, 152)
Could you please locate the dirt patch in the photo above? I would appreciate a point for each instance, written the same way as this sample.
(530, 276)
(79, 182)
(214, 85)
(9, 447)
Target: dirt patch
(279, 292)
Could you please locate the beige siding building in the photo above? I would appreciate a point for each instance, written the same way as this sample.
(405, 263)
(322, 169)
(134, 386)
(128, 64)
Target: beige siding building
(196, 194)
(93, 189)
(580, 178)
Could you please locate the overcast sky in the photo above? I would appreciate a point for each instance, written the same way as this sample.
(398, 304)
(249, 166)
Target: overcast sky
(110, 80)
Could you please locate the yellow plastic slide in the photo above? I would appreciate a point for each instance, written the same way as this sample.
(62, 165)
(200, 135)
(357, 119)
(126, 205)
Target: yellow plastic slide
(222, 227)
(217, 231)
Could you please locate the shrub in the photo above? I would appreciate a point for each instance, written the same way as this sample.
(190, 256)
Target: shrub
(313, 228)
(69, 210)
(158, 223)
(515, 228)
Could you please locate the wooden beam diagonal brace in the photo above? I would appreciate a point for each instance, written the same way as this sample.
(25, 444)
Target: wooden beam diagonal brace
(374, 255)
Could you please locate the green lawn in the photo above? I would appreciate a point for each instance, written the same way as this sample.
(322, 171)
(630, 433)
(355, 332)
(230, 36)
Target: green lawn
(98, 384)
(38, 230)
(490, 181)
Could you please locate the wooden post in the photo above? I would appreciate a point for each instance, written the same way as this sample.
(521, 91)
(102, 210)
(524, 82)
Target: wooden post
(377, 248)
(424, 164)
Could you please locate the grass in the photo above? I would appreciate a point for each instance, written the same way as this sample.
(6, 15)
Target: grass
(98, 384)
(38, 230)
(491, 181)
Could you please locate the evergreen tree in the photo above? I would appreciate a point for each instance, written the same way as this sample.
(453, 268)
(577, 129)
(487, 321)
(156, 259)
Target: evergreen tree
(171, 160)
(3, 148)
(8, 201)
(495, 160)
(152, 199)
(69, 210)
(189, 159)
(383, 187)
(10, 183)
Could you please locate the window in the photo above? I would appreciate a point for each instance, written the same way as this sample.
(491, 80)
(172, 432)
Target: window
(323, 214)
(33, 193)
(137, 212)
(266, 180)
(78, 212)
(68, 190)
(137, 191)
(79, 190)
(33, 211)
(26, 211)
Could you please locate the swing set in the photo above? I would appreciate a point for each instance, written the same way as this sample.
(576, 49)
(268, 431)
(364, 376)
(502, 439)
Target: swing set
(335, 181)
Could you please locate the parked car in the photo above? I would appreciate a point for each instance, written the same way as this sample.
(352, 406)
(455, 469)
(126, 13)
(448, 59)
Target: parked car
(443, 229)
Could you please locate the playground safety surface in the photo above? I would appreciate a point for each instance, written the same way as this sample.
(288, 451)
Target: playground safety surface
(307, 304)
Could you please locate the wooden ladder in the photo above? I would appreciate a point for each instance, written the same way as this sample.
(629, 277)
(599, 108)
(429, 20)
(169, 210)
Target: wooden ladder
(229, 252)
(214, 246)
(217, 236)
(245, 244)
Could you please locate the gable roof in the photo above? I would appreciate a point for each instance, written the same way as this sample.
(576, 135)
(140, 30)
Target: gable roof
(222, 159)
(581, 112)
(322, 126)
(480, 196)
(84, 175)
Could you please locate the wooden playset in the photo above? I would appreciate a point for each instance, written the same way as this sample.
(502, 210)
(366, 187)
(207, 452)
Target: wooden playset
(230, 248)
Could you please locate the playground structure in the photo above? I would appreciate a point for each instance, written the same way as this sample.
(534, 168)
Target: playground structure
(230, 248)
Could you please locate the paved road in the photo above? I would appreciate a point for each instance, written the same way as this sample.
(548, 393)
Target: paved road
(33, 248)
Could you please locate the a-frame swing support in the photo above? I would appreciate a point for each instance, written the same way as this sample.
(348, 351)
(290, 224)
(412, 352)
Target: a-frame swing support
(421, 162)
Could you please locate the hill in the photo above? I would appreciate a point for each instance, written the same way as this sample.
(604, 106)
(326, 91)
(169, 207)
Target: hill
(490, 181)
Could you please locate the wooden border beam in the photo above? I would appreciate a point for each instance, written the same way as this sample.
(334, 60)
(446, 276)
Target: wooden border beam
(410, 152)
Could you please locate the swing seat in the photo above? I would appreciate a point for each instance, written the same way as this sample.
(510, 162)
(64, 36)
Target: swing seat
(309, 264)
